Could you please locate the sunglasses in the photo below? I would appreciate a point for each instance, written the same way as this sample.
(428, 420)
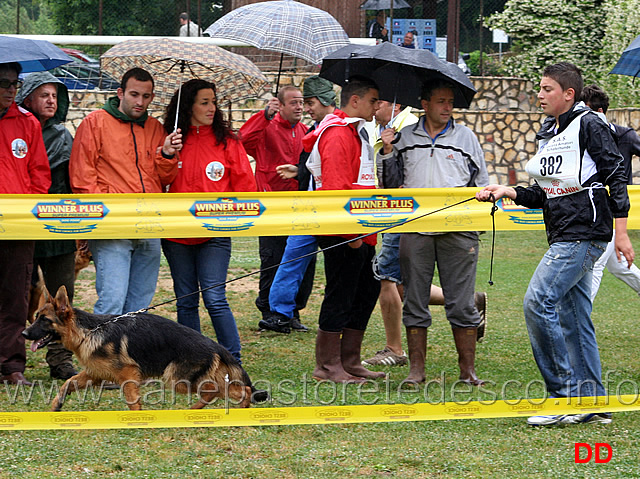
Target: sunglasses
(4, 83)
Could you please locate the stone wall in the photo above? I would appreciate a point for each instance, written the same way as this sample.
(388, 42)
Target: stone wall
(504, 115)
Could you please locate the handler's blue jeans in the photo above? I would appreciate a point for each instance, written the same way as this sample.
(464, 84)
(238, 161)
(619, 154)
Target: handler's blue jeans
(126, 274)
(284, 290)
(195, 267)
(557, 310)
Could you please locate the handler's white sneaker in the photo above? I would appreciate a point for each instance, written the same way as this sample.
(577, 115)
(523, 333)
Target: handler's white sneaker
(590, 418)
(546, 420)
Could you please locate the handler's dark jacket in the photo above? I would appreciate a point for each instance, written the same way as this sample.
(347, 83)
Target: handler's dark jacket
(588, 214)
(629, 144)
(58, 142)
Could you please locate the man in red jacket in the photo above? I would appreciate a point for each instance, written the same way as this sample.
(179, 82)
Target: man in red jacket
(342, 159)
(273, 137)
(24, 169)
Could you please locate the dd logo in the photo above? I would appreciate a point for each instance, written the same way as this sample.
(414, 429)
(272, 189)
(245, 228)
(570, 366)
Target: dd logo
(589, 452)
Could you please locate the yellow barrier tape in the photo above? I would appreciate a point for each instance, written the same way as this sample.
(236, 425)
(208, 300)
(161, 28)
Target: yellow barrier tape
(289, 416)
(186, 215)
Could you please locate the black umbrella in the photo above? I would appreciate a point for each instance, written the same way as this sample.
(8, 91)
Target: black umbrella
(399, 72)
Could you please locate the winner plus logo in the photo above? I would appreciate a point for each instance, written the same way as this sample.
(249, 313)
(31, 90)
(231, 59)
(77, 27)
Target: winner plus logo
(520, 214)
(70, 216)
(228, 214)
(381, 209)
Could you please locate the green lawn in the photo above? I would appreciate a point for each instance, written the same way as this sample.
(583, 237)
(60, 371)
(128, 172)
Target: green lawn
(483, 448)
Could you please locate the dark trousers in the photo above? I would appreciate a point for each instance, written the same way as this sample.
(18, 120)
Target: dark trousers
(271, 250)
(57, 271)
(351, 291)
(16, 265)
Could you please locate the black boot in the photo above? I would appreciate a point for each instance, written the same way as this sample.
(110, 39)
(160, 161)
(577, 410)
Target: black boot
(296, 325)
(275, 322)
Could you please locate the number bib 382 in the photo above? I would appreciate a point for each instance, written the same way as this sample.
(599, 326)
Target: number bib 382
(557, 165)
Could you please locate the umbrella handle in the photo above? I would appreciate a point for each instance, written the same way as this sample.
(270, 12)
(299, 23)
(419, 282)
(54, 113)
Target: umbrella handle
(175, 125)
(393, 111)
(279, 71)
(182, 67)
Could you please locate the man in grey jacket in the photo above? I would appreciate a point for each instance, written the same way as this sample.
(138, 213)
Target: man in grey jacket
(437, 153)
(48, 99)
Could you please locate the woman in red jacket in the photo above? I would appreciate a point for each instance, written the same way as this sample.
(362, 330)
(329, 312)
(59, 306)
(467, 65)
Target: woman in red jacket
(212, 159)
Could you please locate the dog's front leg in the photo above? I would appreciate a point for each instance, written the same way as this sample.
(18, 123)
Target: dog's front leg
(79, 381)
(129, 379)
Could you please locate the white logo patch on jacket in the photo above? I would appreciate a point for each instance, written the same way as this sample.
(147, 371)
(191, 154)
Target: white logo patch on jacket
(215, 171)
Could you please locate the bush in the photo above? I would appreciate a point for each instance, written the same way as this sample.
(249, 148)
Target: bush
(490, 65)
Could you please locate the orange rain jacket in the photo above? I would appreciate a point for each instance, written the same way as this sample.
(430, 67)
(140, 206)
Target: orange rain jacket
(113, 156)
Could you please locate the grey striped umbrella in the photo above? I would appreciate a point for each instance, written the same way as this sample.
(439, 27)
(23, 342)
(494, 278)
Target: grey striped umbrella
(283, 26)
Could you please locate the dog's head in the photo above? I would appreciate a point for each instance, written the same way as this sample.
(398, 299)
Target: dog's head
(51, 320)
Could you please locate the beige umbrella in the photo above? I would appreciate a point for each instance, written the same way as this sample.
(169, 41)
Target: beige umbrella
(172, 62)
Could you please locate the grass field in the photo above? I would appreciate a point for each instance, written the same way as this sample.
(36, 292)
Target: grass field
(473, 448)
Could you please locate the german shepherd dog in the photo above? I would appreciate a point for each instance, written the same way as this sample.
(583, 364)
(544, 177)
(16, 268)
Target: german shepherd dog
(135, 347)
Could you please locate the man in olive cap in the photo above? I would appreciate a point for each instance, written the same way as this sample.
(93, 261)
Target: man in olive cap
(319, 101)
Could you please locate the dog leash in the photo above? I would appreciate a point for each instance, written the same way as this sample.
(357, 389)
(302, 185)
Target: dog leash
(382, 230)
(131, 314)
(494, 208)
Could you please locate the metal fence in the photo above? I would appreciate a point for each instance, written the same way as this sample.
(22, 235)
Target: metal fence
(460, 24)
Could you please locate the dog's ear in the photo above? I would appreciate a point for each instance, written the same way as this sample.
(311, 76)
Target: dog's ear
(44, 299)
(46, 295)
(62, 300)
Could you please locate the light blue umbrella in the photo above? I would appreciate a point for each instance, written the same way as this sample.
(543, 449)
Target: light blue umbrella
(33, 55)
(283, 26)
(629, 62)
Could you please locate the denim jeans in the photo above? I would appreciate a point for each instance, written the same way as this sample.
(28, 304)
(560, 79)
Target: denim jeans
(285, 286)
(126, 274)
(195, 267)
(557, 310)
(386, 265)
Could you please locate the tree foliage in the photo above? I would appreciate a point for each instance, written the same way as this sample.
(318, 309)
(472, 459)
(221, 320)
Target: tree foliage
(590, 33)
(34, 17)
(549, 32)
(622, 26)
(133, 17)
